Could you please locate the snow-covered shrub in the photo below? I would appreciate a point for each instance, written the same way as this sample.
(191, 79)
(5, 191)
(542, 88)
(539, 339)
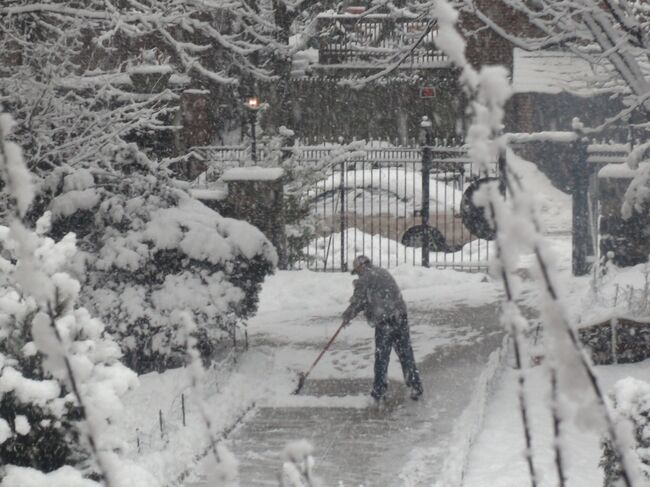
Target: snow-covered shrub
(149, 250)
(116, 195)
(637, 196)
(39, 416)
(631, 398)
(60, 374)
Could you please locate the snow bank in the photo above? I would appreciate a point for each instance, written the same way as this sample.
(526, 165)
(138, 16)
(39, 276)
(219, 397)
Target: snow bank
(325, 252)
(464, 434)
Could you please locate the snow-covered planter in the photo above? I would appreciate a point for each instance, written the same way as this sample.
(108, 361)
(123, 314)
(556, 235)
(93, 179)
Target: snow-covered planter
(631, 399)
(617, 340)
(151, 251)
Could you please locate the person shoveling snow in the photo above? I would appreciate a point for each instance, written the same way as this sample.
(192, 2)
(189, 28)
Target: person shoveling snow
(378, 295)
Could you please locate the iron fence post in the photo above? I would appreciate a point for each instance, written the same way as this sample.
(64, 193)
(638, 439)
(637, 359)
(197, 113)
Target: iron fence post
(501, 168)
(427, 140)
(344, 266)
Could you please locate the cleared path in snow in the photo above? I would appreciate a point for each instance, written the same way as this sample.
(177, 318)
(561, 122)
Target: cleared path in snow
(365, 445)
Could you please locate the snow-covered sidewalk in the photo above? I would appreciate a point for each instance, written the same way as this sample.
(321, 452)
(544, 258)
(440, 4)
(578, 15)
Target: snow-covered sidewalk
(454, 327)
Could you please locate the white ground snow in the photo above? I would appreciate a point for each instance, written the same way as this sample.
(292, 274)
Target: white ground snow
(297, 308)
(300, 309)
(294, 306)
(497, 459)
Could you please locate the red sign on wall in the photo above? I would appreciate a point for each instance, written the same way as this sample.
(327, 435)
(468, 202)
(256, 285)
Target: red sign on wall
(427, 92)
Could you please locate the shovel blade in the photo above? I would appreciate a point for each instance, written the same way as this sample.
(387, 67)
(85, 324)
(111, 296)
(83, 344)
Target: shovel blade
(301, 382)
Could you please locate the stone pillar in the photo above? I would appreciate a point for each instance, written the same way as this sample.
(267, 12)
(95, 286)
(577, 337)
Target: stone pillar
(256, 195)
(625, 242)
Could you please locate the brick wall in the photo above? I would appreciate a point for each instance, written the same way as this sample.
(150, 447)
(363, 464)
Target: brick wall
(485, 46)
(196, 120)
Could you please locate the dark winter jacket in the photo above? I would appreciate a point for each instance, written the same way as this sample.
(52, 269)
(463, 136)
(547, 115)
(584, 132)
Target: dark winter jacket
(376, 293)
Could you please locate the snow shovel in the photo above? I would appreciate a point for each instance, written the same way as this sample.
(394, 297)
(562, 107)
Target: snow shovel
(303, 376)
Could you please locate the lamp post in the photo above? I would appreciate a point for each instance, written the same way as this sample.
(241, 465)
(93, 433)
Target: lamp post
(253, 105)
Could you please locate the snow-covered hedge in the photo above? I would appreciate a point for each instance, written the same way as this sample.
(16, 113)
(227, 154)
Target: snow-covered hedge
(150, 252)
(631, 399)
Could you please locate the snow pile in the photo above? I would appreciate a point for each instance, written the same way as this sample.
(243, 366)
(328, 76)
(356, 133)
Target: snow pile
(228, 391)
(497, 458)
(28, 477)
(465, 432)
(552, 72)
(575, 398)
(325, 252)
(297, 465)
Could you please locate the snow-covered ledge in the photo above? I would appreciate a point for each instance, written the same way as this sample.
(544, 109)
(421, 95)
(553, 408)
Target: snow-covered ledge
(616, 171)
(253, 173)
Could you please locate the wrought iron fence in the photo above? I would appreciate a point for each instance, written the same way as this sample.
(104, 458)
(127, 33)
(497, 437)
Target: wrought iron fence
(368, 198)
(371, 203)
(358, 40)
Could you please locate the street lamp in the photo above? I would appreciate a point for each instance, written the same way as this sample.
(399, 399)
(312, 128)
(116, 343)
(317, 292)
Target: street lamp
(253, 104)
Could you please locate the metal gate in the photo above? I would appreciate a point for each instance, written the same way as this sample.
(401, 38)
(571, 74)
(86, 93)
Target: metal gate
(370, 201)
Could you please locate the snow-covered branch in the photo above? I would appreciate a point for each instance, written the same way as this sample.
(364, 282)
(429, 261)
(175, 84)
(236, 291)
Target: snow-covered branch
(517, 230)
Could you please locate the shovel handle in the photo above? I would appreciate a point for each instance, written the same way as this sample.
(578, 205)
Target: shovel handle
(302, 378)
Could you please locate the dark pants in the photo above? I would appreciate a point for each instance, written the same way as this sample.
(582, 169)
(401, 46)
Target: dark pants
(389, 334)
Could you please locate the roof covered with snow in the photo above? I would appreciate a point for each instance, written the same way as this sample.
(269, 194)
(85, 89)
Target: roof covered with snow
(551, 72)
